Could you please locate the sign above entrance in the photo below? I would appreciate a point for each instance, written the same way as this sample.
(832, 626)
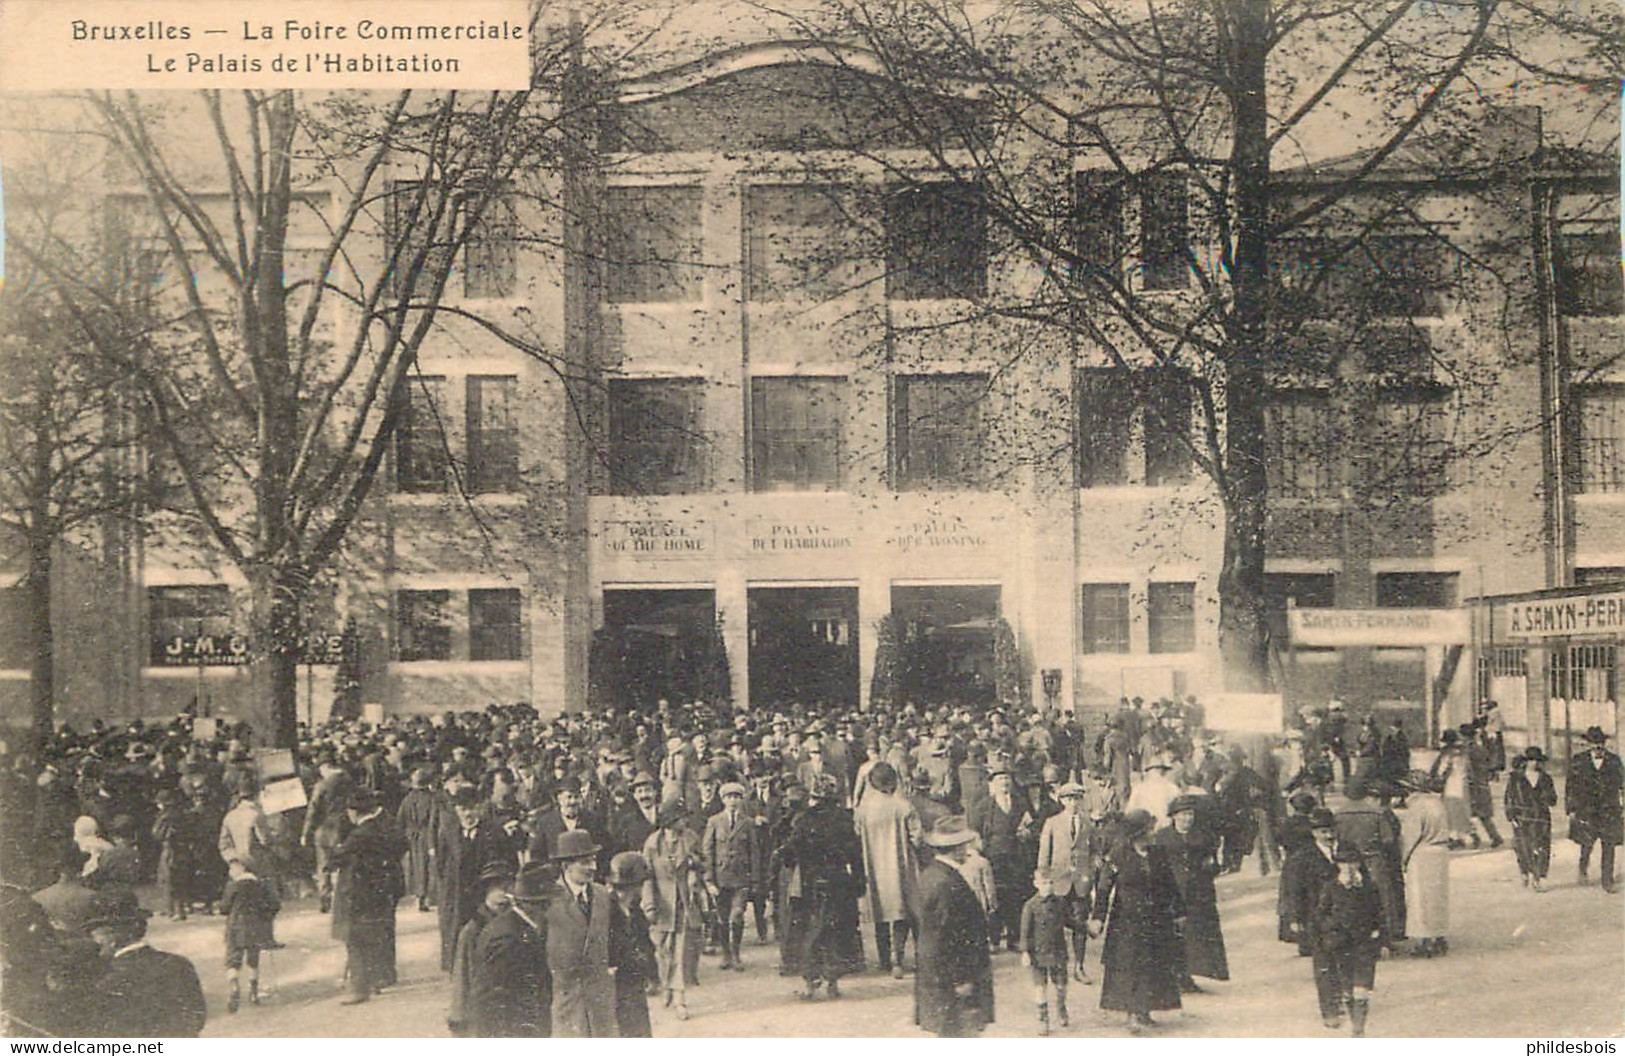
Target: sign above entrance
(1561, 617)
(946, 532)
(1394, 627)
(656, 538)
(799, 535)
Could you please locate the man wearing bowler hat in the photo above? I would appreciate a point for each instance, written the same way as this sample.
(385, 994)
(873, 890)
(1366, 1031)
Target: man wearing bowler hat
(953, 988)
(1591, 797)
(144, 993)
(580, 943)
(512, 990)
(370, 882)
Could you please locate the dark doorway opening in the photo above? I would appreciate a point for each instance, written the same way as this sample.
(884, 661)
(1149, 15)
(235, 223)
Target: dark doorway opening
(657, 644)
(947, 642)
(803, 646)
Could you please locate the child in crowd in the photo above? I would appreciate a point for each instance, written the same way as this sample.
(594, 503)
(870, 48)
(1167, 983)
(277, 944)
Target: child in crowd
(1043, 946)
(250, 906)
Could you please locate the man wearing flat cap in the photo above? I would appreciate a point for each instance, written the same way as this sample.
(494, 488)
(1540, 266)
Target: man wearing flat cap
(953, 988)
(370, 882)
(1591, 797)
(144, 993)
(512, 991)
(734, 859)
(1064, 854)
(580, 943)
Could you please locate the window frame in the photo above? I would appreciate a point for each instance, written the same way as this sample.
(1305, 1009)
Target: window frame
(936, 271)
(410, 477)
(484, 477)
(1090, 618)
(630, 280)
(767, 438)
(1602, 472)
(627, 478)
(408, 626)
(510, 643)
(909, 472)
(1162, 621)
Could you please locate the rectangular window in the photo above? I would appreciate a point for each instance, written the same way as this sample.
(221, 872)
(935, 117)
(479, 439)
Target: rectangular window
(1417, 590)
(1379, 276)
(1589, 279)
(1098, 212)
(1165, 231)
(1172, 610)
(1410, 445)
(490, 250)
(420, 437)
(936, 243)
(795, 433)
(803, 242)
(1302, 590)
(1601, 411)
(1600, 575)
(1105, 618)
(1299, 439)
(495, 623)
(656, 442)
(493, 434)
(423, 624)
(15, 649)
(192, 625)
(1167, 410)
(653, 246)
(939, 430)
(410, 226)
(1105, 417)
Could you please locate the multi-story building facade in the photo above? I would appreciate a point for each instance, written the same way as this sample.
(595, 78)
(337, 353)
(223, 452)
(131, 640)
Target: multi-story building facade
(786, 420)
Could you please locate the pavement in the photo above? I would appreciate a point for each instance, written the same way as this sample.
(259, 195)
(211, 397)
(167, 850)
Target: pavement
(1521, 964)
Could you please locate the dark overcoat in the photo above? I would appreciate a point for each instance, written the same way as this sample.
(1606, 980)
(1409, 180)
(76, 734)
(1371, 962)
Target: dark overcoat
(1591, 798)
(952, 954)
(635, 969)
(369, 881)
(824, 845)
(1303, 874)
(1193, 858)
(511, 992)
(416, 818)
(146, 993)
(458, 862)
(1138, 899)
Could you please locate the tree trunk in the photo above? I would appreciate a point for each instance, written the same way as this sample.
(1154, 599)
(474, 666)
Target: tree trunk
(42, 646)
(278, 601)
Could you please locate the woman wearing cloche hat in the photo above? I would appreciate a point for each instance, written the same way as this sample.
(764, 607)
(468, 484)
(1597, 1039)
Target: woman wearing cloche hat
(1138, 905)
(1529, 798)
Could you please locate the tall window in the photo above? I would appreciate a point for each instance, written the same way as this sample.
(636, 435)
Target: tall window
(1165, 231)
(802, 241)
(1105, 618)
(1109, 403)
(1410, 444)
(1417, 590)
(1105, 418)
(1098, 204)
(420, 438)
(656, 443)
(1602, 437)
(423, 625)
(795, 433)
(939, 430)
(489, 252)
(15, 651)
(495, 623)
(189, 624)
(1172, 610)
(1167, 428)
(936, 243)
(493, 434)
(409, 226)
(1299, 441)
(1589, 279)
(653, 246)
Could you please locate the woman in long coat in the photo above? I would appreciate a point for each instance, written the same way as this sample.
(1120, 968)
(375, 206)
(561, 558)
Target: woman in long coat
(1193, 855)
(1424, 849)
(674, 899)
(1137, 902)
(1529, 799)
(889, 830)
(824, 848)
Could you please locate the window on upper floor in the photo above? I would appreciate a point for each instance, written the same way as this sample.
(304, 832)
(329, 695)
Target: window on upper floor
(423, 625)
(1300, 441)
(1171, 608)
(421, 464)
(939, 431)
(1105, 427)
(490, 252)
(1110, 402)
(656, 440)
(1105, 618)
(1301, 590)
(1417, 590)
(1165, 231)
(1167, 415)
(936, 242)
(493, 434)
(1599, 575)
(495, 624)
(1589, 279)
(1384, 275)
(1098, 219)
(804, 242)
(1409, 449)
(410, 226)
(1601, 413)
(796, 426)
(653, 245)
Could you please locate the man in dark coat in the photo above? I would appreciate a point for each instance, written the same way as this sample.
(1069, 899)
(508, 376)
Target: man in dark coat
(1308, 866)
(824, 846)
(631, 826)
(1349, 932)
(468, 840)
(416, 819)
(512, 992)
(324, 817)
(369, 883)
(144, 993)
(1005, 825)
(1592, 799)
(953, 989)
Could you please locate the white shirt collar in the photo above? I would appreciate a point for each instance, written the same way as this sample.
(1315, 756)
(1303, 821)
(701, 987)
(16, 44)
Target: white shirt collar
(132, 947)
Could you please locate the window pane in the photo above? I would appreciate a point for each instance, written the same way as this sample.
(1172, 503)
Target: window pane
(1299, 439)
(1165, 238)
(1167, 429)
(1105, 618)
(1173, 617)
(940, 431)
(494, 625)
(1099, 215)
(493, 435)
(936, 243)
(803, 242)
(1105, 412)
(1602, 437)
(1589, 280)
(796, 426)
(652, 250)
(1410, 446)
(420, 441)
(656, 443)
(411, 225)
(1417, 590)
(489, 251)
(423, 624)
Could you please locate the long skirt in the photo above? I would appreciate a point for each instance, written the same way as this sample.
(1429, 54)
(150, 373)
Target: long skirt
(1427, 893)
(1457, 816)
(1532, 842)
(830, 946)
(678, 953)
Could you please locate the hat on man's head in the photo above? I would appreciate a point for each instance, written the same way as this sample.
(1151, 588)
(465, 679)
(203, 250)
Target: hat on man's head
(1179, 804)
(645, 778)
(1534, 754)
(1070, 790)
(1137, 821)
(628, 868)
(577, 843)
(950, 831)
(465, 796)
(534, 883)
(732, 788)
(1303, 802)
(1321, 818)
(114, 906)
(1595, 735)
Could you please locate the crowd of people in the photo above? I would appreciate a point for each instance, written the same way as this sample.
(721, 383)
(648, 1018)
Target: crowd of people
(583, 865)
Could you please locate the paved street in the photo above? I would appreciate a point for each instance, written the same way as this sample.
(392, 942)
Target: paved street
(1520, 964)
